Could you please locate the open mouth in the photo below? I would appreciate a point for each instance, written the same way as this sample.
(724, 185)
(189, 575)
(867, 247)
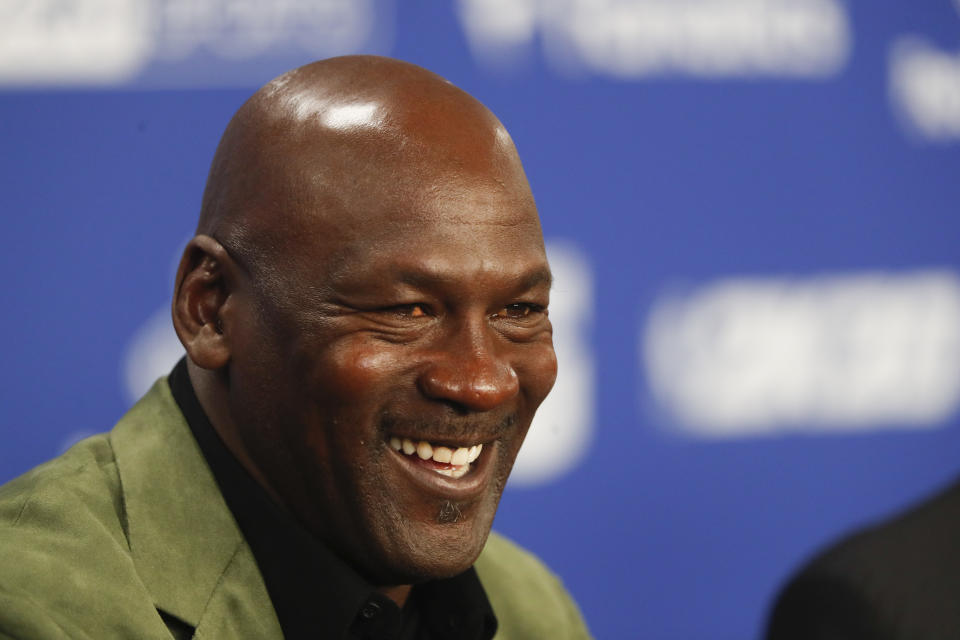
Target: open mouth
(453, 462)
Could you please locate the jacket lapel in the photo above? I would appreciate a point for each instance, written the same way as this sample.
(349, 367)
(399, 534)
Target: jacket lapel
(185, 544)
(239, 606)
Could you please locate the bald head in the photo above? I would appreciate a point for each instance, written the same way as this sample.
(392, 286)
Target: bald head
(314, 146)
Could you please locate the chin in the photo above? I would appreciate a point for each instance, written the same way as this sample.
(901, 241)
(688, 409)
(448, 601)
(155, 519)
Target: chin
(434, 551)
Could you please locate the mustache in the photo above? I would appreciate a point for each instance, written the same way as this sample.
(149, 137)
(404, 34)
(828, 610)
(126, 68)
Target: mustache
(449, 428)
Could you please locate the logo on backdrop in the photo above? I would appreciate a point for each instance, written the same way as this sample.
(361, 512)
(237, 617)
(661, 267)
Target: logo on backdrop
(118, 41)
(750, 356)
(223, 42)
(78, 42)
(924, 86)
(701, 38)
(563, 428)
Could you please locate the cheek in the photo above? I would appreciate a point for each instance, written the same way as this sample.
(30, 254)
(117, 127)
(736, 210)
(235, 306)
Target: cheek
(359, 369)
(537, 370)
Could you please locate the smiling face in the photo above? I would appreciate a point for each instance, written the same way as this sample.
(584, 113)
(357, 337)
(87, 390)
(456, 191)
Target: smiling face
(387, 358)
(433, 337)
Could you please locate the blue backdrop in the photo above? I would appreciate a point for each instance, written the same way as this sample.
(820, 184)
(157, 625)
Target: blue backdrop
(752, 206)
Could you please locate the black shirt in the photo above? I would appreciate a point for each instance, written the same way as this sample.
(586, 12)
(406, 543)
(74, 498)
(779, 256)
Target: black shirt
(314, 593)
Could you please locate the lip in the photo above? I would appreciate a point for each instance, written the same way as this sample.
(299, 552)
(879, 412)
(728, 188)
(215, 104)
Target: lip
(465, 488)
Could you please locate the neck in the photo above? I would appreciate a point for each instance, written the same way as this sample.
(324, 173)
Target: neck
(212, 401)
(398, 594)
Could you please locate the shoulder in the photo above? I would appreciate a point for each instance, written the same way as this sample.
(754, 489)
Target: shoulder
(64, 550)
(900, 577)
(528, 599)
(820, 605)
(82, 481)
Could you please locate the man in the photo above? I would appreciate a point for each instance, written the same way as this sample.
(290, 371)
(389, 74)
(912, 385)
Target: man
(899, 580)
(364, 311)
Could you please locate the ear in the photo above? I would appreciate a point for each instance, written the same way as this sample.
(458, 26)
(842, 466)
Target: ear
(200, 293)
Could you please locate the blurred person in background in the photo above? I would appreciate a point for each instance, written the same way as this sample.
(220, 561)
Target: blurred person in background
(898, 580)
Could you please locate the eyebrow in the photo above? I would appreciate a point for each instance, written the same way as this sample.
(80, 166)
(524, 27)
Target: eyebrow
(537, 277)
(533, 278)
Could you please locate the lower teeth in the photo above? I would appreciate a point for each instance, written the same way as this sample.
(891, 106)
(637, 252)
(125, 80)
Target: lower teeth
(455, 472)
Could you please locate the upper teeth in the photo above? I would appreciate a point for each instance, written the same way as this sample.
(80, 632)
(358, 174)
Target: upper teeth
(438, 453)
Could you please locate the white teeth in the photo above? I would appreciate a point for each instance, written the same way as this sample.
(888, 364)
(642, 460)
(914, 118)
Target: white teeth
(459, 457)
(456, 472)
(424, 450)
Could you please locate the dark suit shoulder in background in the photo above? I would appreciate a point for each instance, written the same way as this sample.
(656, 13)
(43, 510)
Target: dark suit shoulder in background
(899, 580)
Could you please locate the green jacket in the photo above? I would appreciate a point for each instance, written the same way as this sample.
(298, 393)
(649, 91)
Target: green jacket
(126, 536)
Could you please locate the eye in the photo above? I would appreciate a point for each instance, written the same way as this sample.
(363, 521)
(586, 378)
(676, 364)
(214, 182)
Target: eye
(518, 311)
(410, 310)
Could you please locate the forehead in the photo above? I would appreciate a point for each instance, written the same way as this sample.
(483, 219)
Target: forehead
(446, 232)
(381, 189)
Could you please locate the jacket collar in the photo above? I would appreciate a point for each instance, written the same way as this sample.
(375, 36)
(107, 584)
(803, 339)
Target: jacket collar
(185, 544)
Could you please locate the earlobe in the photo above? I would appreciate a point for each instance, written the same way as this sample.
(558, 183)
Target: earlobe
(200, 294)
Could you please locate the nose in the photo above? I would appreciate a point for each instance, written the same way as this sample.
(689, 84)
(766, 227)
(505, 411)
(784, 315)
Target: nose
(466, 371)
